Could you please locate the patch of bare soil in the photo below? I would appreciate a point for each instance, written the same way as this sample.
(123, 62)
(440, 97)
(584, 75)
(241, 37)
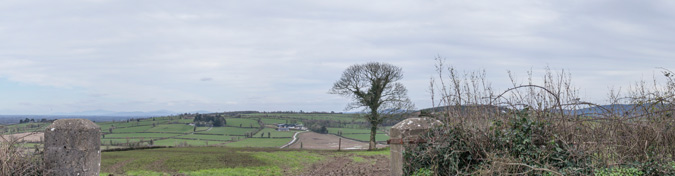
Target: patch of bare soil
(312, 140)
(346, 165)
(28, 137)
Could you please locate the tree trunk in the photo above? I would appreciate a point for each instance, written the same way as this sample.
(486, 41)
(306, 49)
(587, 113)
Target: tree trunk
(373, 131)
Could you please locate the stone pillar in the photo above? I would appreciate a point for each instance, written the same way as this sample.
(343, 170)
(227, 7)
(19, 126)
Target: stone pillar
(72, 147)
(406, 132)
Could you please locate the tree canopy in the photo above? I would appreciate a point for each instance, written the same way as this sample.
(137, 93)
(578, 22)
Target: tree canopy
(374, 88)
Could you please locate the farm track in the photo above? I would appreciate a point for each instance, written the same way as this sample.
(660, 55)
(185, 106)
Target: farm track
(312, 140)
(295, 139)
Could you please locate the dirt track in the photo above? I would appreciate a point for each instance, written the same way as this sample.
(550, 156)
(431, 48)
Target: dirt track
(312, 140)
(28, 137)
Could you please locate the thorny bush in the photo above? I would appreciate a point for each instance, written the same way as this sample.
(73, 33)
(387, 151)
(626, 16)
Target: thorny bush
(544, 129)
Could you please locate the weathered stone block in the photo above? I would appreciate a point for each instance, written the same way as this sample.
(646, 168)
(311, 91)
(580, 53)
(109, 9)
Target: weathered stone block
(405, 132)
(72, 147)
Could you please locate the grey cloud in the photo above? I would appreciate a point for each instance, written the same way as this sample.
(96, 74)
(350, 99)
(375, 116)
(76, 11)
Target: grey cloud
(206, 79)
(154, 50)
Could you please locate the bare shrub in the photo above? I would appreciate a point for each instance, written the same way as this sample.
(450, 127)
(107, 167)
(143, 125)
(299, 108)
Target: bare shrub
(544, 128)
(16, 160)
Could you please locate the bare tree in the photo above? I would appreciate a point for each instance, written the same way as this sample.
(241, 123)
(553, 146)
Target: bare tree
(374, 87)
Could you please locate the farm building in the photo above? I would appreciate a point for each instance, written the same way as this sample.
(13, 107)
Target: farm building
(287, 127)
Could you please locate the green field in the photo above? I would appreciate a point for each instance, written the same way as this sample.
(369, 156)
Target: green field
(208, 137)
(107, 125)
(259, 142)
(229, 130)
(140, 135)
(349, 131)
(121, 141)
(271, 121)
(274, 133)
(185, 121)
(24, 127)
(174, 142)
(334, 117)
(207, 161)
(172, 128)
(131, 129)
(359, 134)
(366, 137)
(235, 122)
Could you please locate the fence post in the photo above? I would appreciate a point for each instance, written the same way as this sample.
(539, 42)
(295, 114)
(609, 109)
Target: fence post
(406, 132)
(72, 147)
(339, 143)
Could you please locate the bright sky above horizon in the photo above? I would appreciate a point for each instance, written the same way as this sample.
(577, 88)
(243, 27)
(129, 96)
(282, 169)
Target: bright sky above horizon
(82, 55)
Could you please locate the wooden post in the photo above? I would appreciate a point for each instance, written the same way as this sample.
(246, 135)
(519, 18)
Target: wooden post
(339, 144)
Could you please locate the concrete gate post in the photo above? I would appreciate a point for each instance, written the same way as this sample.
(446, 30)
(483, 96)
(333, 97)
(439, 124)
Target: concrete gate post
(72, 147)
(406, 132)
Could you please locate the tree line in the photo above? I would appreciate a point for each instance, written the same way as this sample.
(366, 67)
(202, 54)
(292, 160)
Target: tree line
(209, 120)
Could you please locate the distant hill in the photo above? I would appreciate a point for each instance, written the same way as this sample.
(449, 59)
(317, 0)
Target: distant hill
(128, 113)
(125, 114)
(618, 109)
(467, 108)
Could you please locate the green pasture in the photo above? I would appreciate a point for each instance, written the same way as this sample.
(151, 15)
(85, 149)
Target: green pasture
(173, 128)
(350, 130)
(366, 137)
(259, 142)
(140, 135)
(22, 125)
(334, 117)
(185, 120)
(122, 141)
(23, 128)
(235, 122)
(208, 137)
(130, 129)
(274, 133)
(107, 125)
(271, 121)
(174, 142)
(202, 128)
(229, 130)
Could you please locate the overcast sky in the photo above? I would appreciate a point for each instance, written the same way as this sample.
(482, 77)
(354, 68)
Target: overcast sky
(71, 56)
